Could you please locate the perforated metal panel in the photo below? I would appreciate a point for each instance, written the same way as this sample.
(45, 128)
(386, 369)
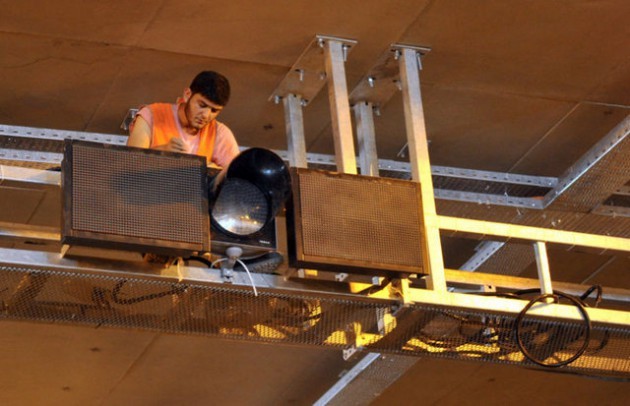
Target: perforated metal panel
(311, 318)
(131, 199)
(355, 222)
(184, 307)
(447, 333)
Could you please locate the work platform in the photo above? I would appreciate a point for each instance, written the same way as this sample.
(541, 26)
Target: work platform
(309, 307)
(486, 315)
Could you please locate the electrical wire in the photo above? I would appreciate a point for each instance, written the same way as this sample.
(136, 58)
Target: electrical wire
(248, 274)
(598, 297)
(243, 265)
(265, 263)
(577, 301)
(201, 259)
(218, 261)
(555, 295)
(116, 291)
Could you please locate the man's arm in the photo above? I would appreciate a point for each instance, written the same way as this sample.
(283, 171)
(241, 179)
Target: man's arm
(140, 136)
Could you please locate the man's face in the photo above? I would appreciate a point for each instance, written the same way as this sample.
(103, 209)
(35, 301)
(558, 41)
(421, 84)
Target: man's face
(200, 111)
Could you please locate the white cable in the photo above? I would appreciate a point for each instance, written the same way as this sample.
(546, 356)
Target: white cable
(244, 266)
(248, 274)
(217, 261)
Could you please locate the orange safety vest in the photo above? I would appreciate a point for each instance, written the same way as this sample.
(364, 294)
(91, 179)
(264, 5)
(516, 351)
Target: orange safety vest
(164, 128)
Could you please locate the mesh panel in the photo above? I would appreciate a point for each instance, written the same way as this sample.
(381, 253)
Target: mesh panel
(358, 218)
(189, 308)
(149, 196)
(487, 187)
(600, 180)
(427, 331)
(319, 319)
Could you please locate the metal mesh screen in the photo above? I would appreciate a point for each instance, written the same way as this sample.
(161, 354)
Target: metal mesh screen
(363, 219)
(484, 336)
(488, 187)
(306, 318)
(189, 308)
(115, 191)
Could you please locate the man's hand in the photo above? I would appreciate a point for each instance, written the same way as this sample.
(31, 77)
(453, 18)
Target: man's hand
(176, 144)
(140, 136)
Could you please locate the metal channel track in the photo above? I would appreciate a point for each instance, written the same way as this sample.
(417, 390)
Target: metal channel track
(597, 175)
(575, 203)
(42, 148)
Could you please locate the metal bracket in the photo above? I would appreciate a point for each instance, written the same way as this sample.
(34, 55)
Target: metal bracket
(383, 79)
(307, 76)
(129, 117)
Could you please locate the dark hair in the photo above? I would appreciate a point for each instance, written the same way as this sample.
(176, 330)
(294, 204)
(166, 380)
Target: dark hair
(212, 85)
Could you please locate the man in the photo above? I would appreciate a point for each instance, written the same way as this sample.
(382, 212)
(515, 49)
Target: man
(189, 126)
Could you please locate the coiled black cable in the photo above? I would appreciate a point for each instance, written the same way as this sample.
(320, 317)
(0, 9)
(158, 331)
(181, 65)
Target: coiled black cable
(175, 290)
(555, 295)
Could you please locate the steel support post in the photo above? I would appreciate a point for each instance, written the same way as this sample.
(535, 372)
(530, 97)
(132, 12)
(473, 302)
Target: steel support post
(484, 251)
(409, 63)
(542, 262)
(339, 106)
(294, 123)
(366, 137)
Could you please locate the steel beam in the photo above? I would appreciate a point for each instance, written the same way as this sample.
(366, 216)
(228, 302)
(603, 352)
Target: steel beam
(525, 233)
(409, 62)
(478, 279)
(33, 234)
(542, 262)
(11, 175)
(483, 251)
(335, 51)
(366, 137)
(294, 123)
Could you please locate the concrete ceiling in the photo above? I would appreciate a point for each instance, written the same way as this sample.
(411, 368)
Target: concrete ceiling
(524, 87)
